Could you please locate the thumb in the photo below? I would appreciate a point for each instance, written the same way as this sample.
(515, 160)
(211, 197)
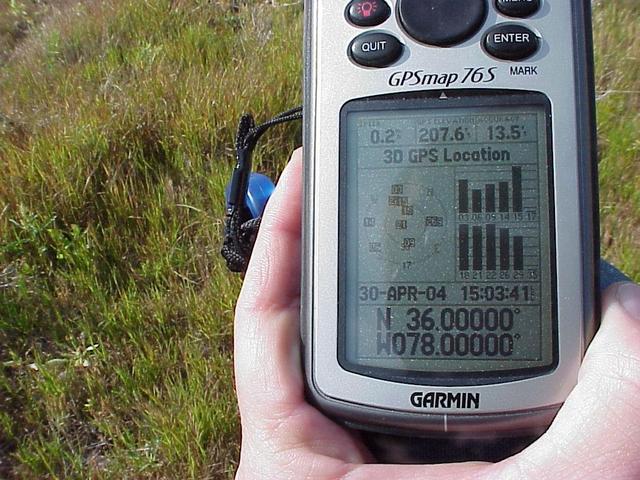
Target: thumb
(597, 432)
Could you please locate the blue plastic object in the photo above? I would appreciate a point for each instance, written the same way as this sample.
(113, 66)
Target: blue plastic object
(610, 275)
(258, 193)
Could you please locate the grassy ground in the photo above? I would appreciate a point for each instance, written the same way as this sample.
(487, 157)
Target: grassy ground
(116, 120)
(617, 39)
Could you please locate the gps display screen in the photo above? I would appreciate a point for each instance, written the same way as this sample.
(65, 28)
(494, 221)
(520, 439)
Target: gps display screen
(446, 236)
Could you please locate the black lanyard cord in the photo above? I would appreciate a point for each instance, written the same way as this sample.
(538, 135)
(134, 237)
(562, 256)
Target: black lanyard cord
(240, 229)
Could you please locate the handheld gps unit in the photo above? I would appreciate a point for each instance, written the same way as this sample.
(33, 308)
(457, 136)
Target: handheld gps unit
(450, 220)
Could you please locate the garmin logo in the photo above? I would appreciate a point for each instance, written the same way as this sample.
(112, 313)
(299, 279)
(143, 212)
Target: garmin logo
(461, 400)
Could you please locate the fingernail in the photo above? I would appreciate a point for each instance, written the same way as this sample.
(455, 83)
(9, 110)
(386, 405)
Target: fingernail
(628, 295)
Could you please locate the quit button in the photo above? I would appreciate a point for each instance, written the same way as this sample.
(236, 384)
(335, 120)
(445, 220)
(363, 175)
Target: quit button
(375, 49)
(511, 42)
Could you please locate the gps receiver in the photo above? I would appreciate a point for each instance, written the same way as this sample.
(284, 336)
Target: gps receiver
(450, 218)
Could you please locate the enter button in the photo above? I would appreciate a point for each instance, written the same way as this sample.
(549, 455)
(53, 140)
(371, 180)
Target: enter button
(511, 42)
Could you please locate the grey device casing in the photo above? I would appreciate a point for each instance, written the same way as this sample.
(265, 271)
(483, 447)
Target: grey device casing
(565, 75)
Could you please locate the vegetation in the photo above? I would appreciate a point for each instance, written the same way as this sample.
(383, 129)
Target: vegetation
(116, 122)
(617, 41)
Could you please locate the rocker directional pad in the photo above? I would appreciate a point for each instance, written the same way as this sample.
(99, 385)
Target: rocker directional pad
(442, 23)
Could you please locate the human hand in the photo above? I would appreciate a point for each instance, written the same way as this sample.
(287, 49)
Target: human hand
(596, 434)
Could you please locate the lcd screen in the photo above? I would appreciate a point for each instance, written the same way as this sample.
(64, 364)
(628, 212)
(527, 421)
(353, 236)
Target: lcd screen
(446, 237)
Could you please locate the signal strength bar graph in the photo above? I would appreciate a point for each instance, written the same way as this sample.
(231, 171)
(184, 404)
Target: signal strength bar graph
(503, 197)
(489, 248)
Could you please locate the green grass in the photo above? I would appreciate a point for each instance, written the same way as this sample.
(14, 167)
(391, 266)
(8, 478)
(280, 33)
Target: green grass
(17, 19)
(115, 307)
(116, 122)
(617, 39)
